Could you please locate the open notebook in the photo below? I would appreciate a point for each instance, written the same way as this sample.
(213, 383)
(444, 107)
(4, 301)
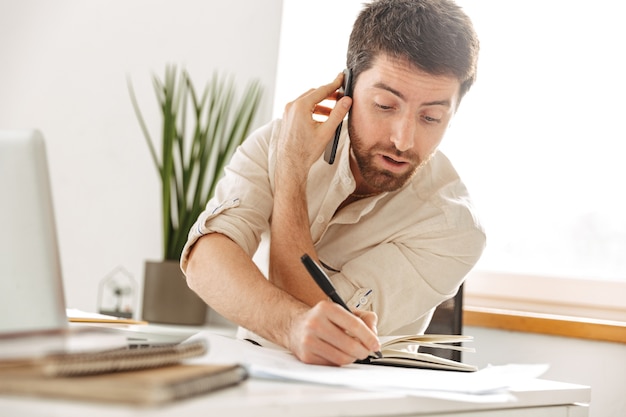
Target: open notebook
(32, 301)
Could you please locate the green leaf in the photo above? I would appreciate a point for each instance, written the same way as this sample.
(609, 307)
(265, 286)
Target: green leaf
(199, 135)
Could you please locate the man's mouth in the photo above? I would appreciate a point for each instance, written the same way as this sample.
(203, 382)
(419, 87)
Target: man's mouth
(392, 164)
(392, 160)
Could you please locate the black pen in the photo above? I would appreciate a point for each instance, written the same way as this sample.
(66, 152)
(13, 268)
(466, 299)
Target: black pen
(324, 283)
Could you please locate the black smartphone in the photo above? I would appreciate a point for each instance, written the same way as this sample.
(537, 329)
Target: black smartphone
(346, 89)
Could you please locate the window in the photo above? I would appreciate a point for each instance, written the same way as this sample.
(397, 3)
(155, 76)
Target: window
(539, 142)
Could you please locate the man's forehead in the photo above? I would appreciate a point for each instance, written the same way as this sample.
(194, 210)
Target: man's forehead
(401, 78)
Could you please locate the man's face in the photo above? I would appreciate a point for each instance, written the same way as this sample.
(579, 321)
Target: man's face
(398, 118)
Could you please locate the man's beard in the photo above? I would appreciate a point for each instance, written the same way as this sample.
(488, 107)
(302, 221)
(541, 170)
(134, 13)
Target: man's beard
(381, 179)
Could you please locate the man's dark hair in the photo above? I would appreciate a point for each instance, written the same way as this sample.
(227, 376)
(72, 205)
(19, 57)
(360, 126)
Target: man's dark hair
(435, 36)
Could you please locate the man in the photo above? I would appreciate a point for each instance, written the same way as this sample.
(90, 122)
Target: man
(390, 220)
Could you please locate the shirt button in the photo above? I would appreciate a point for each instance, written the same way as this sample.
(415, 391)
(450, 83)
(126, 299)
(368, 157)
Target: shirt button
(363, 300)
(319, 219)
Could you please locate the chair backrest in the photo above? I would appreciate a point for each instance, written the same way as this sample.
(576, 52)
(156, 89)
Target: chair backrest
(447, 319)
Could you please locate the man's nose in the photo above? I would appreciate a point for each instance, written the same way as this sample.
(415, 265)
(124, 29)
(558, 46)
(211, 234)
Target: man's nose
(403, 135)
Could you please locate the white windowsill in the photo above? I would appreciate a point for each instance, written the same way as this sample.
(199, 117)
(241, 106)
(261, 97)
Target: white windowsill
(565, 307)
(603, 300)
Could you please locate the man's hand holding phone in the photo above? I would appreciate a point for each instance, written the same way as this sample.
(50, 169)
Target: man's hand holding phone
(302, 137)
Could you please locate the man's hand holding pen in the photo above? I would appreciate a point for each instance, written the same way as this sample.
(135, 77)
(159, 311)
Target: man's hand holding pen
(329, 335)
(360, 326)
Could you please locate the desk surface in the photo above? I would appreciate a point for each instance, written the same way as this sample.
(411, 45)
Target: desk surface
(273, 398)
(259, 397)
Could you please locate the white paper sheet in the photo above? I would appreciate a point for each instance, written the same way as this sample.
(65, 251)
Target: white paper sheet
(281, 365)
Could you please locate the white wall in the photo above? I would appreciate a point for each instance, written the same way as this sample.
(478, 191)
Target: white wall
(63, 70)
(601, 365)
(313, 45)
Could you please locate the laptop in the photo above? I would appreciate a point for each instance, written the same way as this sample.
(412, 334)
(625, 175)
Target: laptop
(32, 300)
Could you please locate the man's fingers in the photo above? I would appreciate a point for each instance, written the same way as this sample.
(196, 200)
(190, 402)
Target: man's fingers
(329, 335)
(309, 123)
(369, 317)
(339, 112)
(356, 337)
(326, 91)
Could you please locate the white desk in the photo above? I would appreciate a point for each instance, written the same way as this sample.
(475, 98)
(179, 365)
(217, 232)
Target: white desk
(259, 398)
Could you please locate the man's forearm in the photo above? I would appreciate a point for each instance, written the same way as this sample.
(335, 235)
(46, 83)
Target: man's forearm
(227, 279)
(301, 142)
(291, 238)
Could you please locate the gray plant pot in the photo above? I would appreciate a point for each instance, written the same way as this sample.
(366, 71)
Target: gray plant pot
(167, 298)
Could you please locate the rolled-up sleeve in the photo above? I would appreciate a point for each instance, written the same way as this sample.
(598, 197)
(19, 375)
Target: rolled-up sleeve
(242, 203)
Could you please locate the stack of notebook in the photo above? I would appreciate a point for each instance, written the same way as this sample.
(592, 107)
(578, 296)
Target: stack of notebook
(145, 376)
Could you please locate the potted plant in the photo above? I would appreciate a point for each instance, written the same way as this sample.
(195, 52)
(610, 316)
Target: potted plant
(198, 137)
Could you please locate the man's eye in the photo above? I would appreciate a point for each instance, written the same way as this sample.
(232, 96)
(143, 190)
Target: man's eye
(383, 106)
(431, 119)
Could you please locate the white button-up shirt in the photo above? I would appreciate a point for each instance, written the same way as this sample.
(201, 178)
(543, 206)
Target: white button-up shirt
(398, 253)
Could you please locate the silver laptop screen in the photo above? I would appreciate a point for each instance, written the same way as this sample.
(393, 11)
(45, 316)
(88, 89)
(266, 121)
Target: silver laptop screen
(31, 288)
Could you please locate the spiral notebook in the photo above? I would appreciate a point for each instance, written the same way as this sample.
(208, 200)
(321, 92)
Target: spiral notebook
(147, 376)
(92, 363)
(141, 387)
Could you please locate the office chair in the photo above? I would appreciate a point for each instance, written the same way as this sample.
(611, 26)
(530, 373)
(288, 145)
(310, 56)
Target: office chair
(447, 319)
